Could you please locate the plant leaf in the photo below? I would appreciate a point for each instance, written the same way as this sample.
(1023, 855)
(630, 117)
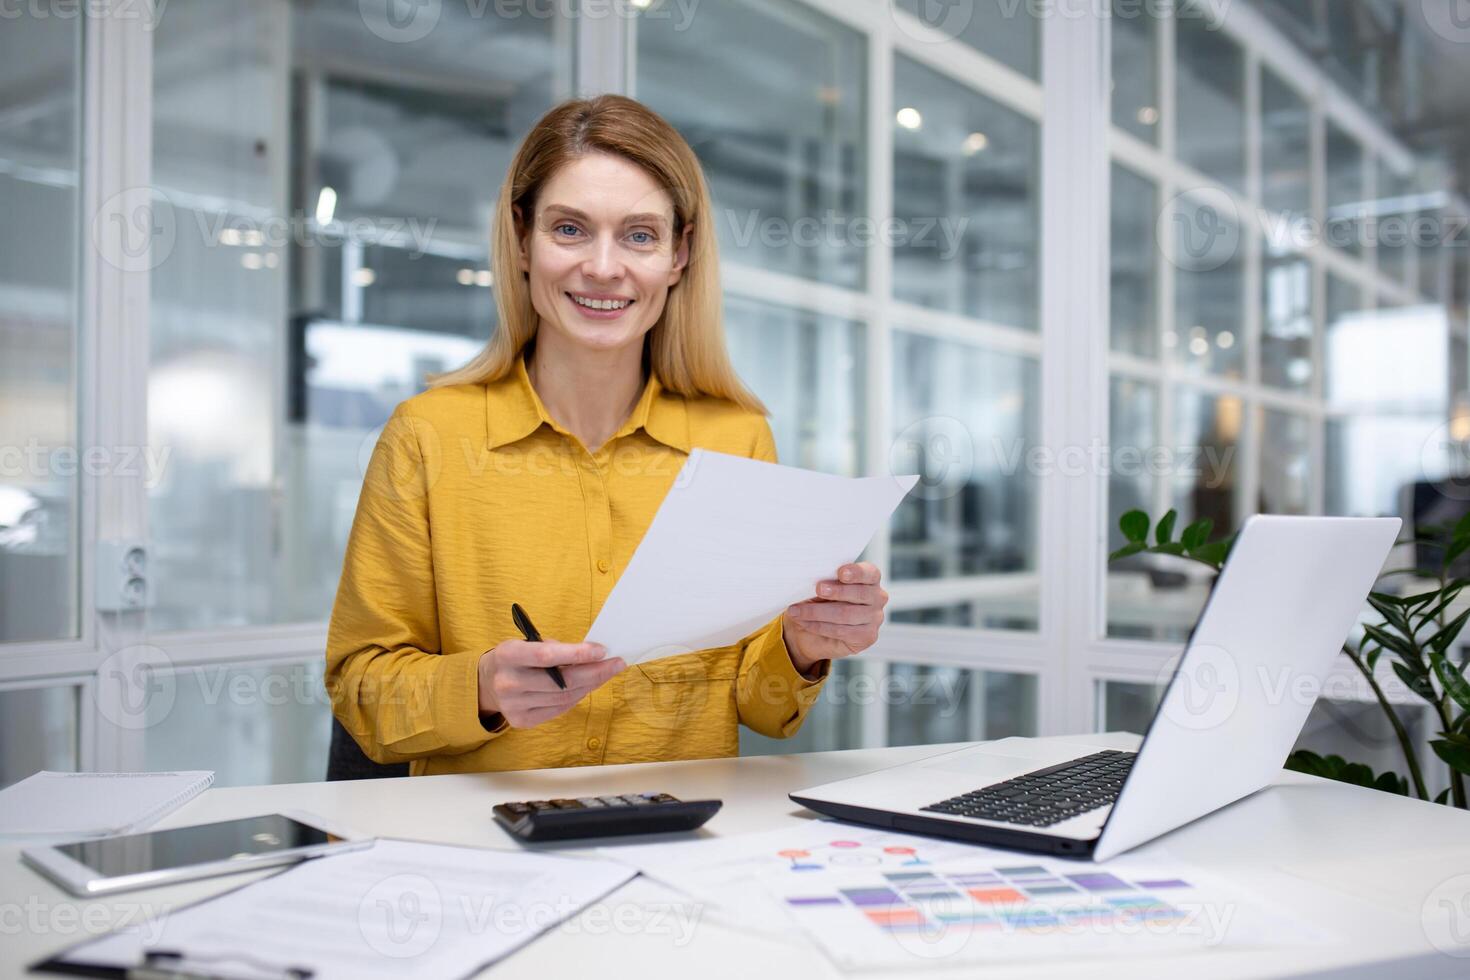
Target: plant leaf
(1213, 553)
(1444, 796)
(1134, 526)
(1131, 548)
(1394, 642)
(1457, 757)
(1338, 768)
(1414, 600)
(1388, 607)
(1164, 533)
(1197, 533)
(1451, 678)
(1441, 641)
(1371, 659)
(1169, 548)
(1418, 684)
(1459, 537)
(1431, 614)
(1388, 782)
(1304, 757)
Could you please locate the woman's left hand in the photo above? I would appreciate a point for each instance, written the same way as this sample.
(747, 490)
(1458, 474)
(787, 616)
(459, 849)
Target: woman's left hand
(841, 620)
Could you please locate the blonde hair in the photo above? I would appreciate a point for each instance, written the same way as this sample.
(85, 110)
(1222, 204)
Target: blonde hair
(686, 347)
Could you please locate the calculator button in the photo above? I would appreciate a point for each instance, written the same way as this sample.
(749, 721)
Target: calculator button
(613, 800)
(565, 804)
(518, 807)
(634, 799)
(661, 798)
(589, 801)
(541, 805)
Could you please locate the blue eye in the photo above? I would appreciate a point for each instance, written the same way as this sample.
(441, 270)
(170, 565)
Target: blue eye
(648, 237)
(559, 228)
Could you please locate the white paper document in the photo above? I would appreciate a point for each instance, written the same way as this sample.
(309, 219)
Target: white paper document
(872, 898)
(94, 804)
(1012, 906)
(726, 874)
(396, 909)
(734, 543)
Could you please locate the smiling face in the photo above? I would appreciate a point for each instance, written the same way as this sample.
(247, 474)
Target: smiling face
(601, 253)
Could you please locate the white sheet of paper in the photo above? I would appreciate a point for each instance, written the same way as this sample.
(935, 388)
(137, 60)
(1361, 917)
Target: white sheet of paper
(396, 909)
(1031, 907)
(872, 898)
(729, 876)
(736, 541)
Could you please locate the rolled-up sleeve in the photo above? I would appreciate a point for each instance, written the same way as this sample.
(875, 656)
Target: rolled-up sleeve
(773, 698)
(392, 687)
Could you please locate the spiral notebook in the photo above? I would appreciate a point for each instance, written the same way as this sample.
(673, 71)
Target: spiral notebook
(94, 804)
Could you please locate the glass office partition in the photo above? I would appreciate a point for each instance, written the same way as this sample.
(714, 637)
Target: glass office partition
(332, 183)
(41, 463)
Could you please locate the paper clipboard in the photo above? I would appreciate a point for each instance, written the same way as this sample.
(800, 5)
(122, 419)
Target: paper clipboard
(169, 964)
(358, 901)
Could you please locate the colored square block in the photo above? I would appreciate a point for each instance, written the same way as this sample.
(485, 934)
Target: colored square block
(1167, 883)
(1029, 869)
(815, 900)
(1049, 889)
(871, 896)
(894, 917)
(899, 877)
(996, 896)
(1100, 881)
(931, 896)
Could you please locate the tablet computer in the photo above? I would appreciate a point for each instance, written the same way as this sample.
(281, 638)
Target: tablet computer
(159, 857)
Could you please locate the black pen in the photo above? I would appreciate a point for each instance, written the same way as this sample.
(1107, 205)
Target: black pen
(528, 629)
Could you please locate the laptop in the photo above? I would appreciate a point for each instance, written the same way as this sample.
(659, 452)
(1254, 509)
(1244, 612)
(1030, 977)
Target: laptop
(1272, 627)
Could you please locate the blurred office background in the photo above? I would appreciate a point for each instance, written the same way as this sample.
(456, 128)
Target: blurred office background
(1212, 258)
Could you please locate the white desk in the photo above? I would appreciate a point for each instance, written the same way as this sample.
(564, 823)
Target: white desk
(1413, 848)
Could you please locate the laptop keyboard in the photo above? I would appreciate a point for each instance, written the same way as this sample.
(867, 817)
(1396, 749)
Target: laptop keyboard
(1046, 796)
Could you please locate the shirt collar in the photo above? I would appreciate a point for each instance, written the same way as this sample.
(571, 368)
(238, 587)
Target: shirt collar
(513, 411)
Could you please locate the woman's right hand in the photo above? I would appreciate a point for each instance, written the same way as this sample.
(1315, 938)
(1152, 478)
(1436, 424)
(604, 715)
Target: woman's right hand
(514, 682)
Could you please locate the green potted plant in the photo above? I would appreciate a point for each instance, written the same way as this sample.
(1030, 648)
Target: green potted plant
(1416, 634)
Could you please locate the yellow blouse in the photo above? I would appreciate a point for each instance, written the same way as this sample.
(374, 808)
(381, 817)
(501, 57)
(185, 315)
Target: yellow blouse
(475, 498)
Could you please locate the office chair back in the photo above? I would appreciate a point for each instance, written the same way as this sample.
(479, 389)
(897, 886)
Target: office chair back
(346, 759)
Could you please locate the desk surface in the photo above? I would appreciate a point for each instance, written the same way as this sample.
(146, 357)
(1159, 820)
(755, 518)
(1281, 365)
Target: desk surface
(1301, 825)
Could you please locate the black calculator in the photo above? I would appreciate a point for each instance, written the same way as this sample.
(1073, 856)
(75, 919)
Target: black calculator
(603, 816)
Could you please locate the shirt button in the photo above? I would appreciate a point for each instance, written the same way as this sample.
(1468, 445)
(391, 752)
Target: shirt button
(602, 565)
(594, 743)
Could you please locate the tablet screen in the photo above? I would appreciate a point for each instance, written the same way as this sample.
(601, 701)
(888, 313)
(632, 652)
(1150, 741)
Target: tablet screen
(164, 849)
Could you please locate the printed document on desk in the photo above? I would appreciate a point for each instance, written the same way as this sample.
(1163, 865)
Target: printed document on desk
(877, 899)
(725, 874)
(396, 909)
(734, 543)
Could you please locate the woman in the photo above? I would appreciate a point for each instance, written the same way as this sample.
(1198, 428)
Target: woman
(531, 474)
